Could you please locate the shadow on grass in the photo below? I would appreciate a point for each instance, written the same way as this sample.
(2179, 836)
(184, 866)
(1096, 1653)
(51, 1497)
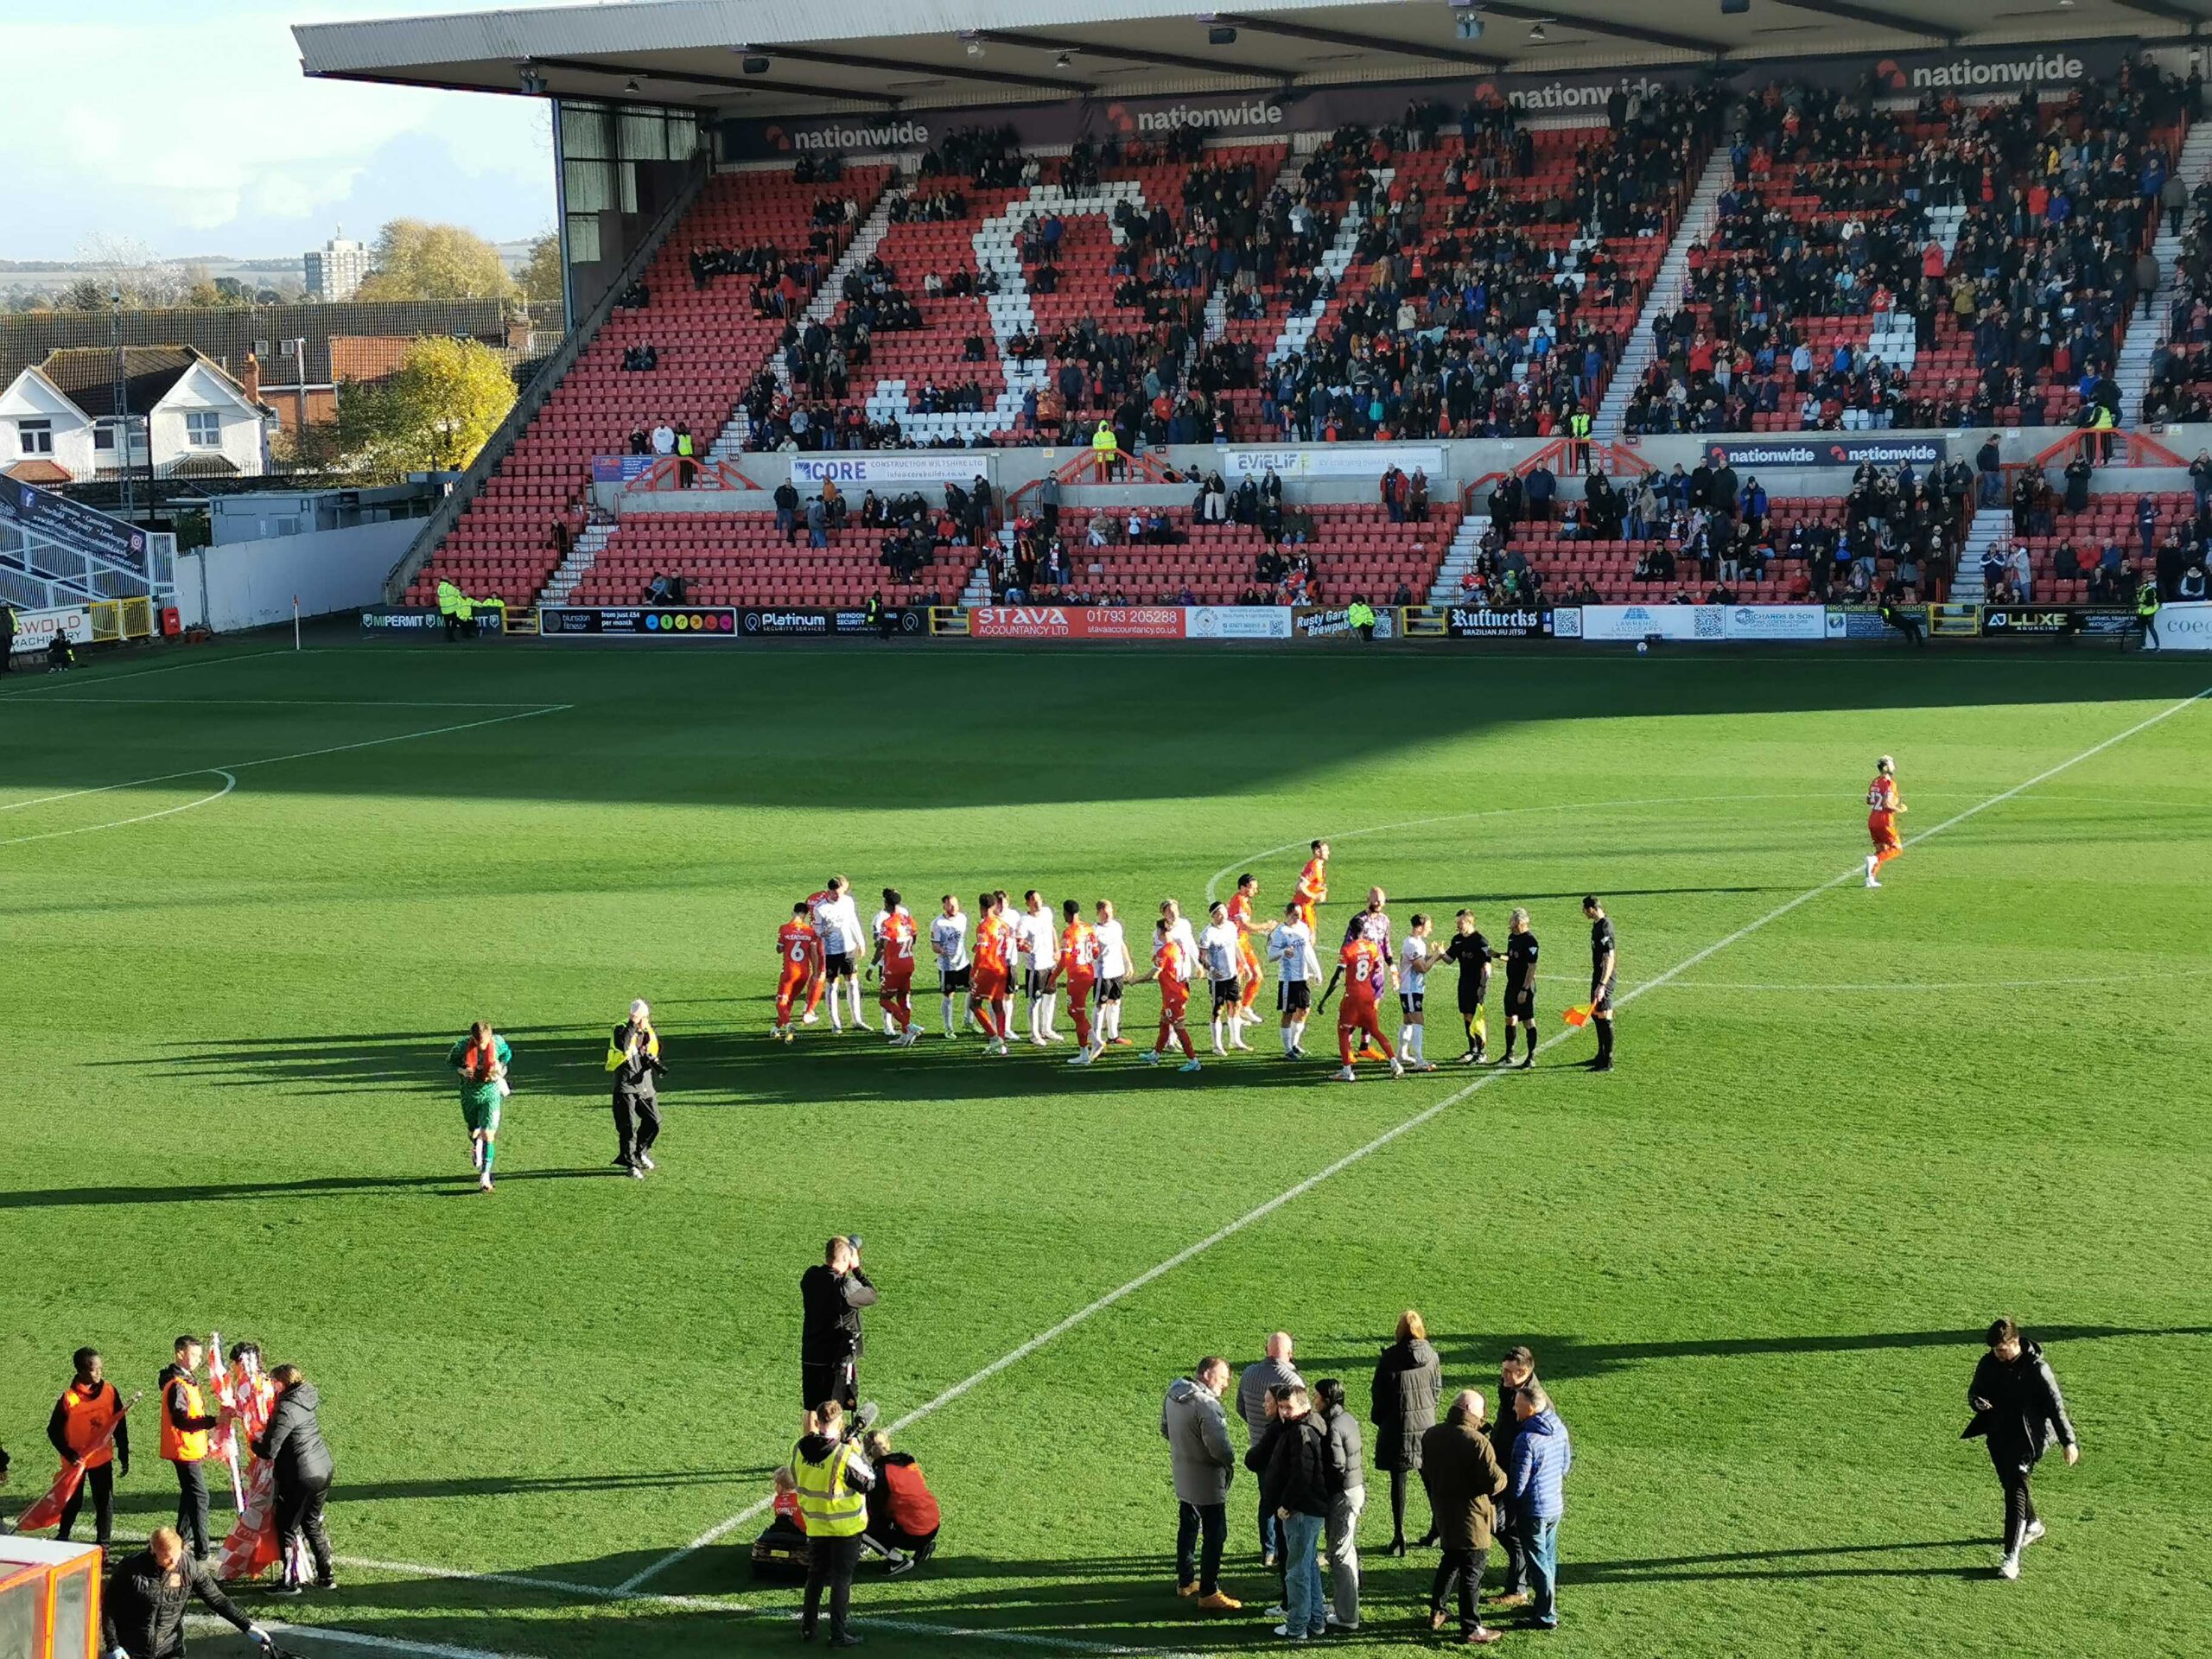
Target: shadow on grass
(1566, 1357)
(747, 1069)
(1090, 1603)
(155, 1502)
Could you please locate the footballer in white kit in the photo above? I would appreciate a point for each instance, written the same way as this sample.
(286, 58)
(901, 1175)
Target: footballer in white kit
(1416, 955)
(954, 973)
(1115, 970)
(1290, 947)
(1220, 953)
(1039, 940)
(838, 921)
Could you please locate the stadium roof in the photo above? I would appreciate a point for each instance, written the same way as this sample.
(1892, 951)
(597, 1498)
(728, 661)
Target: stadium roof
(822, 56)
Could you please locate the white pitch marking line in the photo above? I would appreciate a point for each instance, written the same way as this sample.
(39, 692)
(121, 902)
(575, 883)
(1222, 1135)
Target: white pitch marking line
(355, 1638)
(290, 702)
(32, 692)
(526, 1581)
(1359, 1154)
(1213, 881)
(1935, 984)
(229, 783)
(729, 1604)
(302, 754)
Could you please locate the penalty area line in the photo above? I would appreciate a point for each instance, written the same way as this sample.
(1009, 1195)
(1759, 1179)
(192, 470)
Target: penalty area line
(1251, 1217)
(298, 755)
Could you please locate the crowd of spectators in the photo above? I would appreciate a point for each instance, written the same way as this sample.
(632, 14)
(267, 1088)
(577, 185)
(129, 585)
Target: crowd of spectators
(1706, 532)
(1829, 215)
(1459, 315)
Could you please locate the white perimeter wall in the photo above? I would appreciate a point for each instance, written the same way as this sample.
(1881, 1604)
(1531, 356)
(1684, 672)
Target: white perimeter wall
(250, 584)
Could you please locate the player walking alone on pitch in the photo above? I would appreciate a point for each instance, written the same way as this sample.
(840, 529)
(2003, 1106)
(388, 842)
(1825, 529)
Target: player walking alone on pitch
(481, 1058)
(1882, 809)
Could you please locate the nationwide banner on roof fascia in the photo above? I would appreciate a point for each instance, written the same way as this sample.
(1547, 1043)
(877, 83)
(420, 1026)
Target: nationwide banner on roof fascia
(110, 538)
(1332, 461)
(1972, 72)
(865, 466)
(1826, 449)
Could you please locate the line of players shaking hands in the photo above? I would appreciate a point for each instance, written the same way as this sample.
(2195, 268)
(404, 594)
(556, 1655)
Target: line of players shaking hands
(1089, 964)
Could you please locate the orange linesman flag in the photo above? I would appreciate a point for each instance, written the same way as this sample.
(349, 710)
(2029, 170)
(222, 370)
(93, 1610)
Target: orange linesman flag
(1577, 1015)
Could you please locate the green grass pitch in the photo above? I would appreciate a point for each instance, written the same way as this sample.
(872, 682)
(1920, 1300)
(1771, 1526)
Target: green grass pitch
(1752, 1259)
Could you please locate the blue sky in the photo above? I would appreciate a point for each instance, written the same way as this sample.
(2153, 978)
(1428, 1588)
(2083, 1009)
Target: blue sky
(190, 128)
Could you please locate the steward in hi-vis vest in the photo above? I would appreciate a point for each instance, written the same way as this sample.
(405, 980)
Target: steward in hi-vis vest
(185, 1423)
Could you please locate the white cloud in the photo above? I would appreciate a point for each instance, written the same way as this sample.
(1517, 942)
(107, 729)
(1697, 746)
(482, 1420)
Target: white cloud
(195, 131)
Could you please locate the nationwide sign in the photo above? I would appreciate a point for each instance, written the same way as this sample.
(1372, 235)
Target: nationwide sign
(1987, 71)
(1828, 449)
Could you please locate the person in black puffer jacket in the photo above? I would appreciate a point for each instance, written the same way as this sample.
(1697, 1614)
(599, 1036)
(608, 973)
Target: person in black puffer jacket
(293, 1445)
(1409, 1381)
(1294, 1486)
(142, 1611)
(2017, 1408)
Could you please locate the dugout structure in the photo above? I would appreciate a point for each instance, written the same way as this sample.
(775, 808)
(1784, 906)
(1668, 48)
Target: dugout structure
(50, 1599)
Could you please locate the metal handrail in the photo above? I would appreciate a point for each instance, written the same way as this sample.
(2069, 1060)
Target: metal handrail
(440, 523)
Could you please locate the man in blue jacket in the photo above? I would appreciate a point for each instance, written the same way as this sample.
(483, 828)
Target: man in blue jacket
(1536, 1489)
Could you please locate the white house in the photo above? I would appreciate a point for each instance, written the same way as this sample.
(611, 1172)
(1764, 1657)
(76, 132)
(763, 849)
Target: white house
(58, 422)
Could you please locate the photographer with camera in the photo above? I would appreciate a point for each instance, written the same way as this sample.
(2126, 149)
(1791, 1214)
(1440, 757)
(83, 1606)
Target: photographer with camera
(831, 1297)
(833, 1480)
(634, 1057)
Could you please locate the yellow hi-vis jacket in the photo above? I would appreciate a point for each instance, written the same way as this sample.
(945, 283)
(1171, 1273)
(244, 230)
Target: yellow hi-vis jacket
(831, 1509)
(1103, 441)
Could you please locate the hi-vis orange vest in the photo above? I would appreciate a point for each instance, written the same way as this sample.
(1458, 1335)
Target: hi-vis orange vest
(182, 1444)
(88, 1411)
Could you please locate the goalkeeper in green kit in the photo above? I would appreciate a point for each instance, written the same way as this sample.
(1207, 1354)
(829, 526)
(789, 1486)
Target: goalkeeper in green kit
(481, 1058)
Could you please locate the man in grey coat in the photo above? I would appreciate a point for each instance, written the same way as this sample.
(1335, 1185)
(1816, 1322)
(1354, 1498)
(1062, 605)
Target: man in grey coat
(1196, 1428)
(1252, 1386)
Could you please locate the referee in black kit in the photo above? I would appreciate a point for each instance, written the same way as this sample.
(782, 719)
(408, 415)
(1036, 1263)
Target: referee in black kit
(1470, 950)
(1520, 987)
(1605, 963)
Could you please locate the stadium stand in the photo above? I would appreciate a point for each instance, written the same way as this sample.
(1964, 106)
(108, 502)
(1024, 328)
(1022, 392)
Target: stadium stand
(707, 328)
(1954, 263)
(742, 558)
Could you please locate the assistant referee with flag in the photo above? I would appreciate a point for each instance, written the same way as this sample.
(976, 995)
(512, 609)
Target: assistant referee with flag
(1604, 965)
(634, 1057)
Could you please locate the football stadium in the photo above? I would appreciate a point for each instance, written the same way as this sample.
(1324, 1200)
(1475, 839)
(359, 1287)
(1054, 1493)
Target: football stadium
(1380, 824)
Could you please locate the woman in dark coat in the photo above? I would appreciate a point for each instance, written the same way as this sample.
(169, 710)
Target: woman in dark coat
(2017, 1408)
(293, 1445)
(1409, 1381)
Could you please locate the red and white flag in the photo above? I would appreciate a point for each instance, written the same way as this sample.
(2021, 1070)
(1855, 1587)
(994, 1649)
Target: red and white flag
(46, 1512)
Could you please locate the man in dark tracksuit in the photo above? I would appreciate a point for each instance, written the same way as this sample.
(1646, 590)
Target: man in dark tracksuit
(831, 1296)
(634, 1056)
(142, 1613)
